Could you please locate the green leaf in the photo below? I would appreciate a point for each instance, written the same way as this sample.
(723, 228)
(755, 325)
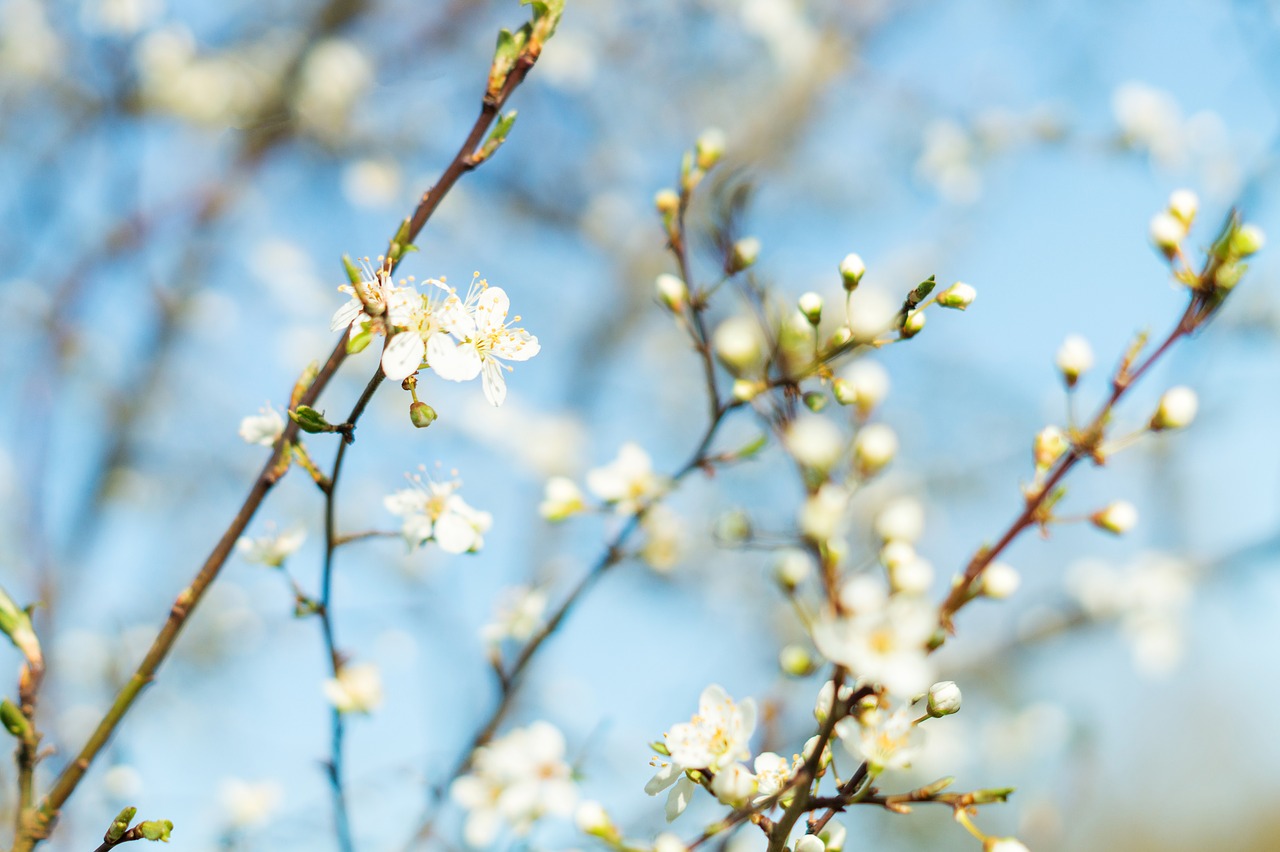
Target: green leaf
(16, 624)
(360, 341)
(353, 272)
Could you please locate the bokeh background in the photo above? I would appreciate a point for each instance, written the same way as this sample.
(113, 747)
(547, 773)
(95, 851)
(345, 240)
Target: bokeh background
(178, 183)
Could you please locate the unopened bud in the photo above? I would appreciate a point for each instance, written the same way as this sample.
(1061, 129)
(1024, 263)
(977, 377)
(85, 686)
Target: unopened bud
(999, 581)
(738, 343)
(1051, 442)
(944, 699)
(1075, 358)
(1248, 239)
(810, 305)
(745, 252)
(667, 201)
(834, 836)
(1117, 518)
(913, 325)
(591, 818)
(793, 568)
(155, 829)
(796, 661)
(13, 720)
(733, 526)
(1183, 204)
(874, 448)
(422, 414)
(851, 270)
(814, 442)
(310, 420)
(863, 384)
(709, 148)
(1003, 844)
(745, 390)
(734, 785)
(911, 576)
(959, 296)
(120, 824)
(1228, 275)
(1167, 233)
(810, 843)
(672, 292)
(1178, 407)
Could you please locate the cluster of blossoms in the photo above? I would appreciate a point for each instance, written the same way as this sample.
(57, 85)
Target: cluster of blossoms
(514, 781)
(628, 484)
(457, 337)
(434, 511)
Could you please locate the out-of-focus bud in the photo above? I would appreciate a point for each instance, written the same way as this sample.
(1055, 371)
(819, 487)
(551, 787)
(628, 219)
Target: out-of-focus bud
(1228, 275)
(13, 720)
(1248, 239)
(738, 343)
(422, 414)
(873, 448)
(834, 836)
(745, 252)
(815, 401)
(901, 519)
(1051, 442)
(1167, 233)
(667, 201)
(793, 568)
(668, 842)
(911, 576)
(591, 818)
(745, 390)
(1003, 844)
(709, 148)
(561, 499)
(810, 305)
(944, 699)
(310, 420)
(810, 843)
(1118, 518)
(1177, 408)
(1183, 204)
(863, 384)
(734, 785)
(815, 442)
(822, 514)
(796, 661)
(999, 580)
(851, 271)
(959, 296)
(733, 526)
(895, 554)
(672, 292)
(914, 324)
(1075, 358)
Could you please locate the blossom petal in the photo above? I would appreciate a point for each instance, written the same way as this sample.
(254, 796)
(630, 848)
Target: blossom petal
(678, 798)
(403, 355)
(454, 534)
(491, 311)
(455, 318)
(515, 344)
(666, 775)
(495, 386)
(454, 362)
(345, 315)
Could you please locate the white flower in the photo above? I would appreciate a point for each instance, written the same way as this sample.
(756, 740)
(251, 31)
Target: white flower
(592, 818)
(433, 511)
(739, 343)
(823, 513)
(514, 781)
(874, 447)
(1183, 203)
(356, 689)
(733, 785)
(246, 804)
(562, 499)
(271, 550)
(519, 615)
(717, 734)
(628, 481)
(887, 743)
(810, 843)
(772, 774)
(1000, 580)
(885, 645)
(481, 339)
(263, 428)
(863, 384)
(1167, 232)
(814, 442)
(664, 538)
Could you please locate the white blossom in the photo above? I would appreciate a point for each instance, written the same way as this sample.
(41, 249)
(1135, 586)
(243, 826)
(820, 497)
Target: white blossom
(263, 428)
(479, 339)
(356, 689)
(884, 741)
(271, 550)
(514, 781)
(245, 804)
(562, 498)
(885, 645)
(628, 481)
(433, 511)
(520, 614)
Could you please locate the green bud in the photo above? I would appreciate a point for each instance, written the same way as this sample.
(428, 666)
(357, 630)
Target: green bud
(155, 829)
(353, 271)
(815, 400)
(938, 786)
(422, 414)
(310, 420)
(16, 624)
(360, 340)
(995, 794)
(745, 252)
(13, 720)
(1247, 240)
(1228, 275)
(120, 825)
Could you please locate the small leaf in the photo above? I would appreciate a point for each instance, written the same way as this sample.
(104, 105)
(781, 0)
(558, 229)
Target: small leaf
(13, 720)
(120, 825)
(155, 829)
(310, 420)
(353, 271)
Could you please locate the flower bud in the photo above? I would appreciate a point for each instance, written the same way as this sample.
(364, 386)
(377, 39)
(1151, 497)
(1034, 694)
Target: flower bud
(913, 325)
(13, 720)
(1183, 204)
(796, 661)
(1118, 518)
(810, 843)
(1075, 358)
(810, 305)
(822, 514)
(309, 420)
(709, 148)
(959, 296)
(1051, 442)
(422, 414)
(874, 448)
(901, 519)
(912, 576)
(895, 554)
(1228, 275)
(1177, 409)
(562, 498)
(1248, 239)
(672, 292)
(851, 270)
(1167, 233)
(1003, 844)
(738, 343)
(745, 252)
(815, 442)
(834, 836)
(793, 568)
(745, 390)
(591, 818)
(733, 526)
(667, 201)
(668, 842)
(734, 785)
(999, 581)
(863, 384)
(944, 699)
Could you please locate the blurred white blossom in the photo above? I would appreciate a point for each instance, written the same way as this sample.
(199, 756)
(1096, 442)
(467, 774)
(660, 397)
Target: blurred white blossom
(433, 511)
